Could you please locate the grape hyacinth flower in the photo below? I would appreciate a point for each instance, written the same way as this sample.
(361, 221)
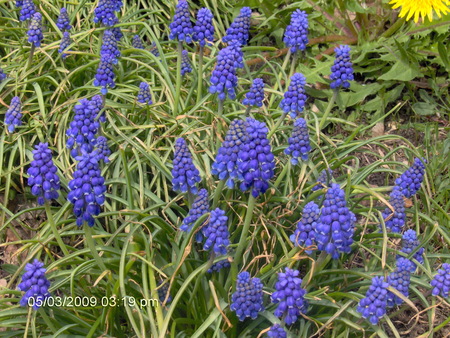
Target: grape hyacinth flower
(198, 209)
(373, 306)
(400, 280)
(324, 179)
(224, 263)
(409, 243)
(144, 95)
(216, 232)
(154, 50)
(34, 32)
(296, 35)
(299, 145)
(295, 98)
(104, 13)
(247, 300)
(289, 296)
(117, 33)
(334, 230)
(185, 64)
(441, 282)
(304, 235)
(19, 3)
(409, 182)
(276, 331)
(204, 29)
(163, 289)
(87, 189)
(28, 10)
(185, 174)
(63, 21)
(109, 46)
(342, 70)
(105, 73)
(225, 165)
(239, 28)
(13, 116)
(181, 26)
(65, 42)
(223, 78)
(116, 5)
(103, 151)
(43, 180)
(2, 75)
(34, 284)
(238, 54)
(398, 219)
(137, 42)
(255, 96)
(256, 162)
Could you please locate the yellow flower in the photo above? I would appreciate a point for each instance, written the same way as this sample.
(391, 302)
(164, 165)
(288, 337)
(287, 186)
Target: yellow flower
(421, 7)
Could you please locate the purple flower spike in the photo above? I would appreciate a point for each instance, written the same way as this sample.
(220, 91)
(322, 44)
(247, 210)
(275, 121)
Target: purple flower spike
(247, 301)
(295, 98)
(13, 116)
(204, 29)
(185, 64)
(35, 285)
(223, 78)
(400, 280)
(109, 46)
(216, 232)
(198, 209)
(104, 13)
(409, 243)
(398, 219)
(224, 263)
(276, 331)
(255, 96)
(185, 174)
(373, 306)
(304, 235)
(296, 35)
(409, 182)
(63, 21)
(441, 282)
(181, 26)
(27, 11)
(324, 179)
(137, 42)
(299, 145)
(2, 75)
(342, 70)
(34, 32)
(65, 42)
(144, 95)
(105, 73)
(239, 29)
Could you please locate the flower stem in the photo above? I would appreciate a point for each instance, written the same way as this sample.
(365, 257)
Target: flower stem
(200, 75)
(274, 129)
(275, 87)
(328, 110)
(54, 229)
(219, 124)
(90, 243)
(217, 193)
(293, 64)
(178, 83)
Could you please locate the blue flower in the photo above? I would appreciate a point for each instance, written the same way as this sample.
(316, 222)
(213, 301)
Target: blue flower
(204, 29)
(109, 46)
(255, 96)
(299, 145)
(256, 162)
(34, 32)
(87, 189)
(116, 5)
(304, 235)
(137, 42)
(163, 289)
(19, 3)
(104, 13)
(65, 42)
(144, 95)
(400, 280)
(181, 26)
(27, 11)
(224, 263)
(197, 210)
(373, 306)
(63, 21)
(323, 180)
(2, 75)
(441, 282)
(102, 151)
(223, 78)
(397, 219)
(239, 28)
(105, 73)
(237, 53)
(296, 34)
(409, 182)
(216, 232)
(225, 165)
(185, 174)
(154, 50)
(295, 98)
(247, 300)
(276, 331)
(289, 296)
(334, 231)
(117, 33)
(409, 243)
(34, 284)
(13, 116)
(43, 180)
(185, 64)
(342, 70)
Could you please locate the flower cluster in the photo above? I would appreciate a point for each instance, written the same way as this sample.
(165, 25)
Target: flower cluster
(105, 73)
(137, 42)
(239, 29)
(13, 116)
(247, 301)
(185, 174)
(204, 29)
(63, 21)
(373, 306)
(154, 49)
(290, 296)
(197, 210)
(299, 145)
(304, 235)
(19, 3)
(104, 13)
(163, 289)
(185, 64)
(117, 5)
(87, 189)
(117, 33)
(256, 162)
(409, 182)
(181, 26)
(334, 231)
(223, 78)
(43, 180)
(224, 263)
(216, 233)
(144, 95)
(295, 98)
(34, 284)
(34, 32)
(225, 165)
(409, 243)
(27, 11)
(400, 280)
(342, 70)
(276, 331)
(2, 75)
(398, 218)
(65, 42)
(102, 151)
(296, 35)
(109, 46)
(441, 282)
(255, 96)
(324, 179)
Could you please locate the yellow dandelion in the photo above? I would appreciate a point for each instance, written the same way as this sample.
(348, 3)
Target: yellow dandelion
(421, 8)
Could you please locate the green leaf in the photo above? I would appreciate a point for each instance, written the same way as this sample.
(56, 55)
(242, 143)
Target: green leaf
(423, 108)
(400, 71)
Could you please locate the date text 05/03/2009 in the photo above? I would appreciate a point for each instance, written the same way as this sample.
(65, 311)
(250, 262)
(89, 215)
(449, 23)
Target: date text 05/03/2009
(86, 301)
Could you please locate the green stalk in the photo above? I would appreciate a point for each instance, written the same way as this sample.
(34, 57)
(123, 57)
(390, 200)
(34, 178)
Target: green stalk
(280, 177)
(274, 129)
(54, 229)
(217, 193)
(200, 75)
(91, 245)
(247, 111)
(200, 277)
(275, 87)
(30, 58)
(178, 83)
(328, 110)
(219, 124)
(293, 64)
